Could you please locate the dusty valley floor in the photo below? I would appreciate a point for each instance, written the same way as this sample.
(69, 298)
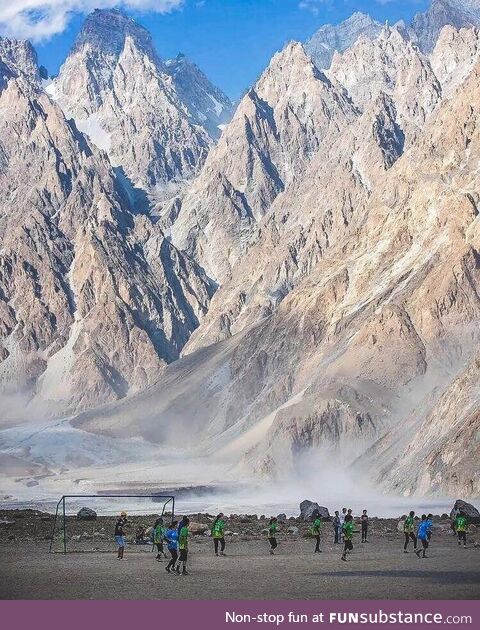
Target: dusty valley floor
(376, 570)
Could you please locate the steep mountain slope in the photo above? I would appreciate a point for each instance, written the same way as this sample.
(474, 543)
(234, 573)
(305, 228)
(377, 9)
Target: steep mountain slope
(122, 96)
(93, 300)
(207, 105)
(423, 30)
(279, 126)
(329, 39)
(377, 329)
(426, 26)
(389, 64)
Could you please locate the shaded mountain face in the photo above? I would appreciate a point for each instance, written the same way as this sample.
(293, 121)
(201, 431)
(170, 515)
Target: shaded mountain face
(148, 116)
(423, 30)
(208, 106)
(94, 301)
(20, 57)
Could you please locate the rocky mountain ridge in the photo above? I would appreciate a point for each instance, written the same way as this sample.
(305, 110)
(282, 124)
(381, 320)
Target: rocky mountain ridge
(136, 107)
(310, 294)
(423, 30)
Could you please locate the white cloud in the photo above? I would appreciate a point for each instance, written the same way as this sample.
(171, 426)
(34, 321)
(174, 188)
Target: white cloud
(313, 5)
(41, 19)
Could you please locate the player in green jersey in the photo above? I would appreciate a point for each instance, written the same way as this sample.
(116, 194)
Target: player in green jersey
(272, 534)
(316, 525)
(218, 534)
(461, 525)
(348, 527)
(409, 531)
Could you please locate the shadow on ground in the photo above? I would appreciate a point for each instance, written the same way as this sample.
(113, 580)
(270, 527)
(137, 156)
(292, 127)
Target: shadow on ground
(444, 577)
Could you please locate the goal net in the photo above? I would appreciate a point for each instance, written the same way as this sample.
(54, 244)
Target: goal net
(86, 523)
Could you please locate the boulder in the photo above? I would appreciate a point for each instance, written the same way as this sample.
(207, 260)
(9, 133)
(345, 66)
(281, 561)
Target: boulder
(471, 512)
(281, 518)
(293, 530)
(198, 528)
(400, 526)
(86, 514)
(310, 510)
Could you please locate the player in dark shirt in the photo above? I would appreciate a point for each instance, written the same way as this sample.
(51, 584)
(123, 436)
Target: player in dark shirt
(120, 534)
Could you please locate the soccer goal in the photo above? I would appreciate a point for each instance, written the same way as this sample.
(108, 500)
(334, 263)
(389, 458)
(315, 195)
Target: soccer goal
(86, 523)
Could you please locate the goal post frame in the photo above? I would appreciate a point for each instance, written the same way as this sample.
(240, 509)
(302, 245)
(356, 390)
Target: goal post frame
(170, 498)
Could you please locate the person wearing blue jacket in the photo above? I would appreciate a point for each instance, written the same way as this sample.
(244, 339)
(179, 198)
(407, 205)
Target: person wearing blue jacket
(422, 535)
(171, 536)
(430, 527)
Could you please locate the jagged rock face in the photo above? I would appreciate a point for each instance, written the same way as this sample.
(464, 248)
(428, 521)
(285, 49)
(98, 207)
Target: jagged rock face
(121, 95)
(328, 39)
(208, 106)
(423, 30)
(457, 13)
(372, 323)
(392, 65)
(93, 300)
(454, 56)
(278, 128)
(20, 57)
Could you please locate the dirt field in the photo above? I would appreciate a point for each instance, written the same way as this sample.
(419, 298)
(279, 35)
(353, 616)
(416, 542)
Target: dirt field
(377, 570)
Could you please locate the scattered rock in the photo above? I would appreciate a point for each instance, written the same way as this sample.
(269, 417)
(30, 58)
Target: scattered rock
(6, 523)
(86, 536)
(11, 537)
(281, 518)
(400, 525)
(198, 528)
(86, 514)
(45, 518)
(293, 530)
(310, 510)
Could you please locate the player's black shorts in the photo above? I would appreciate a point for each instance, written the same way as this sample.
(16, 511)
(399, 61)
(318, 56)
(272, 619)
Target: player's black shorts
(183, 555)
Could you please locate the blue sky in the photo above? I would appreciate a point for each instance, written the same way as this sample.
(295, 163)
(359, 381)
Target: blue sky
(231, 40)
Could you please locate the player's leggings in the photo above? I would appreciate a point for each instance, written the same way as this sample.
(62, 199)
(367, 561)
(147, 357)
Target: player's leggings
(317, 545)
(462, 537)
(410, 536)
(222, 544)
(364, 531)
(159, 546)
(273, 542)
(348, 546)
(173, 561)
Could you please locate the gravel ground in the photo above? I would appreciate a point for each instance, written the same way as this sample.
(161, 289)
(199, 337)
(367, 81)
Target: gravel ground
(377, 570)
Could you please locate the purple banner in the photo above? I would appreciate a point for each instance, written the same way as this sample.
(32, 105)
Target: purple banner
(76, 615)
